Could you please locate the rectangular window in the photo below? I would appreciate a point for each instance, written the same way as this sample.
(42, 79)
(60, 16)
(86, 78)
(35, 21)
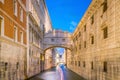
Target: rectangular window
(6, 66)
(92, 39)
(15, 7)
(92, 65)
(79, 63)
(76, 63)
(92, 19)
(104, 6)
(105, 66)
(76, 38)
(21, 37)
(32, 35)
(63, 40)
(84, 27)
(105, 32)
(79, 34)
(0, 25)
(15, 34)
(84, 44)
(79, 46)
(83, 63)
(52, 40)
(17, 65)
(21, 14)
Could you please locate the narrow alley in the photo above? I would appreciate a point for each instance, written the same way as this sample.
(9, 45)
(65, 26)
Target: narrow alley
(59, 39)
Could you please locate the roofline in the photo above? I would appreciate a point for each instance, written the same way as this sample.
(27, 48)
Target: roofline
(47, 13)
(91, 9)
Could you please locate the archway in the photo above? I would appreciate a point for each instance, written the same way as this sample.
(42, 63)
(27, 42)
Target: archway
(57, 38)
(51, 57)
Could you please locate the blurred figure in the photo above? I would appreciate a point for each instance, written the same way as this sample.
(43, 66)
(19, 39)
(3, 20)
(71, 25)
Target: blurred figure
(59, 71)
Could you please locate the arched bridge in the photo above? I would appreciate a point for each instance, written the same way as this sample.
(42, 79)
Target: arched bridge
(57, 38)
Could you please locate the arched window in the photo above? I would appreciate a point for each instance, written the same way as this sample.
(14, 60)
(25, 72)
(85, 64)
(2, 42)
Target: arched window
(0, 24)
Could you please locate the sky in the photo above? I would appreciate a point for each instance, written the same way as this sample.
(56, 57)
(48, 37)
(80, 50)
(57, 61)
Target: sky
(66, 14)
(60, 50)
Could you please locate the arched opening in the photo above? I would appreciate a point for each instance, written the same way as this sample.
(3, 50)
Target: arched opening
(57, 47)
(53, 41)
(56, 55)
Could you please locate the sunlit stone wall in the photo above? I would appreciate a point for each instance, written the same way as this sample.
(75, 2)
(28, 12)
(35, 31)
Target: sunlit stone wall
(97, 42)
(12, 61)
(13, 39)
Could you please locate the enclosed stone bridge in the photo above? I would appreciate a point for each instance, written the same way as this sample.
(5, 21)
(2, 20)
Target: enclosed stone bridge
(57, 38)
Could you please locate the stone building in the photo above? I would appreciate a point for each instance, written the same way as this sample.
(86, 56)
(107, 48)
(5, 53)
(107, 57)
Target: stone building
(36, 25)
(48, 59)
(47, 29)
(13, 39)
(54, 51)
(97, 42)
(54, 39)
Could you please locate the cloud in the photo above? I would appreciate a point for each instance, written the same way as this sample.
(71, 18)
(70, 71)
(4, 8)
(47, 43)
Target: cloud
(73, 25)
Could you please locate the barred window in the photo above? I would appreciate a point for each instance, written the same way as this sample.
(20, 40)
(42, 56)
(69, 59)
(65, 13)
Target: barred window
(83, 63)
(0, 24)
(84, 27)
(92, 65)
(104, 6)
(79, 34)
(84, 44)
(63, 40)
(92, 39)
(15, 34)
(105, 32)
(92, 19)
(21, 37)
(105, 66)
(6, 66)
(79, 46)
(76, 63)
(52, 40)
(17, 65)
(79, 63)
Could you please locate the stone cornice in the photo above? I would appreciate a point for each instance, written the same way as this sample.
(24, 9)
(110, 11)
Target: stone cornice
(95, 4)
(21, 3)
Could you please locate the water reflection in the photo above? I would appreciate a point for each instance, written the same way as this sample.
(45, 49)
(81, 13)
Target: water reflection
(56, 74)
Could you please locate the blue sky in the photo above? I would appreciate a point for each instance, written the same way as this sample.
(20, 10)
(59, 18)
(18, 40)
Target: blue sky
(60, 50)
(66, 14)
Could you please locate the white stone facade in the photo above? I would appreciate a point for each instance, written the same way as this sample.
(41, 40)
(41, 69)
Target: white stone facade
(35, 36)
(97, 57)
(12, 60)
